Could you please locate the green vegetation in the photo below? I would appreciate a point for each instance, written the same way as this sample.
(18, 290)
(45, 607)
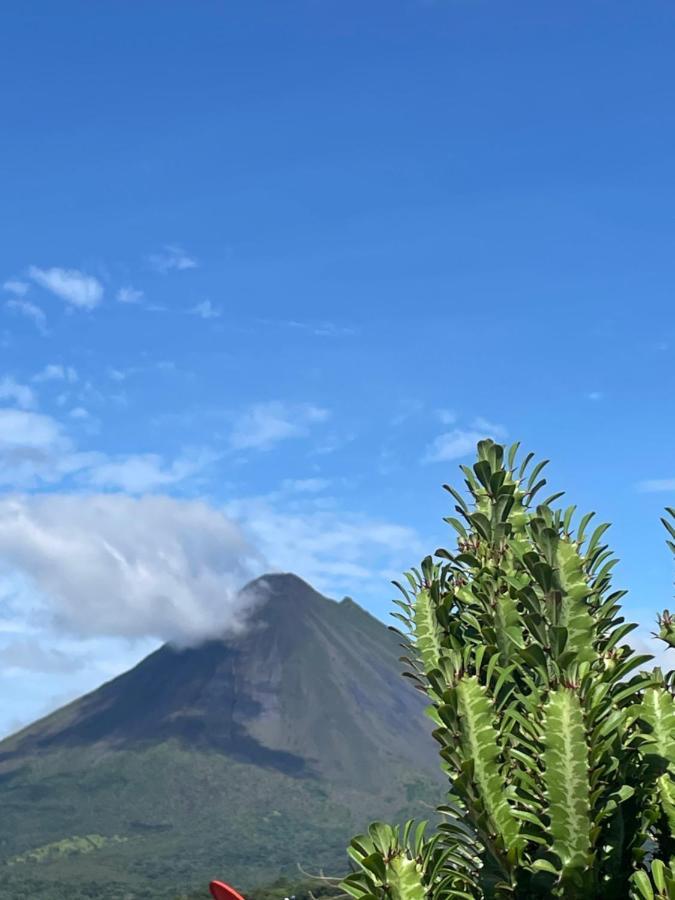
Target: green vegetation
(559, 749)
(67, 847)
(173, 819)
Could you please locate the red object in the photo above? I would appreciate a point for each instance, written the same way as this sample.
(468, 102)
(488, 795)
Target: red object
(222, 891)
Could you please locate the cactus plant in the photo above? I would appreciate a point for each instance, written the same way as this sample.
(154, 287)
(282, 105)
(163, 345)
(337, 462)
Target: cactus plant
(559, 747)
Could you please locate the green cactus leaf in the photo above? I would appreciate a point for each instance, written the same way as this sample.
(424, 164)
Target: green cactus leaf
(404, 879)
(666, 789)
(480, 745)
(566, 779)
(659, 875)
(575, 615)
(641, 886)
(426, 631)
(657, 711)
(509, 628)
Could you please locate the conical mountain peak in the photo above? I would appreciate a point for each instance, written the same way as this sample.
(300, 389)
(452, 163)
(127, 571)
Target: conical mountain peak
(282, 581)
(310, 685)
(285, 587)
(302, 716)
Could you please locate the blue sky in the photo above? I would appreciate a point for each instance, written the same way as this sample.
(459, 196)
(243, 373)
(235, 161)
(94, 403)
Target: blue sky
(270, 269)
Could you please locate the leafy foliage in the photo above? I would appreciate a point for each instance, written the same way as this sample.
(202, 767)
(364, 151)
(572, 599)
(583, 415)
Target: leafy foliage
(558, 746)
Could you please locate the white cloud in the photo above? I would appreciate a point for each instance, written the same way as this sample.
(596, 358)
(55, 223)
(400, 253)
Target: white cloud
(265, 424)
(34, 450)
(492, 428)
(657, 485)
(14, 286)
(56, 372)
(333, 550)
(461, 441)
(172, 258)
(20, 394)
(140, 473)
(30, 311)
(28, 429)
(205, 310)
(76, 288)
(112, 565)
(129, 294)
(304, 485)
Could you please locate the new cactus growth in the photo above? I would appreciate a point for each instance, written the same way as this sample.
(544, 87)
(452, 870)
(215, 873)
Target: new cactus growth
(666, 630)
(558, 746)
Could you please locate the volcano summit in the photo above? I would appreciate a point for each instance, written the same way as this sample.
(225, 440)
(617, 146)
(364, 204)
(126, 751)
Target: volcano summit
(243, 756)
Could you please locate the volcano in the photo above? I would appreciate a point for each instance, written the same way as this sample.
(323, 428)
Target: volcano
(241, 758)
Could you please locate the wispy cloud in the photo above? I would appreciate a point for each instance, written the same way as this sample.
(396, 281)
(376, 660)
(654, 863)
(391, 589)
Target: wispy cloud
(20, 394)
(129, 294)
(595, 396)
(461, 441)
(35, 450)
(30, 311)
(29, 430)
(266, 424)
(146, 472)
(172, 258)
(119, 374)
(16, 287)
(657, 485)
(304, 485)
(56, 372)
(333, 549)
(79, 290)
(205, 310)
(38, 450)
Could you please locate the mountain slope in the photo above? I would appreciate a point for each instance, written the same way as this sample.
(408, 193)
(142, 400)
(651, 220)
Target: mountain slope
(243, 756)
